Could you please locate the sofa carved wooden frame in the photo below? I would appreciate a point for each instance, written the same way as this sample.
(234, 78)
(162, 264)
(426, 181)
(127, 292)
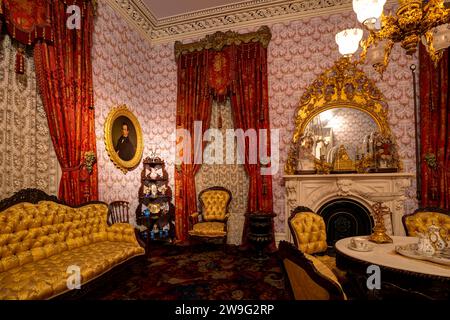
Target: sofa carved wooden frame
(194, 220)
(34, 196)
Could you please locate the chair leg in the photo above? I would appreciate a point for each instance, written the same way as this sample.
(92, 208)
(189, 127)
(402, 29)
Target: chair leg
(224, 245)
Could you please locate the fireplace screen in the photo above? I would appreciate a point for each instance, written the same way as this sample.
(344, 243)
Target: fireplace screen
(345, 218)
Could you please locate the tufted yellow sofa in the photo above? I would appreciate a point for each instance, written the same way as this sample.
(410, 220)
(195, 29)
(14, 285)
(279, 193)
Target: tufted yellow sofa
(421, 219)
(211, 221)
(39, 242)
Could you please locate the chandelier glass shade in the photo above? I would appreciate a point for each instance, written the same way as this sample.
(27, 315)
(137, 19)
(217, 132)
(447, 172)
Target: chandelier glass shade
(415, 21)
(348, 41)
(368, 11)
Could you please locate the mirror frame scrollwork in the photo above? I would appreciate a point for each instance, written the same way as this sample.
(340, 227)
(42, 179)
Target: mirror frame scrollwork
(342, 86)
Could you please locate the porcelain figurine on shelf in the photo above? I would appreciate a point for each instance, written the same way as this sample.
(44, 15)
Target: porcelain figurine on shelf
(154, 190)
(153, 173)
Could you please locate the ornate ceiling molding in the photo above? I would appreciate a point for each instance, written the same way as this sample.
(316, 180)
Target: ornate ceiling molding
(243, 14)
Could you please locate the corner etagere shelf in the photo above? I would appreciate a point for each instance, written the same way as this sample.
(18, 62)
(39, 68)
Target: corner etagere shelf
(155, 209)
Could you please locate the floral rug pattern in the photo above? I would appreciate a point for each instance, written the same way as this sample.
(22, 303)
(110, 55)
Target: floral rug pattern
(199, 273)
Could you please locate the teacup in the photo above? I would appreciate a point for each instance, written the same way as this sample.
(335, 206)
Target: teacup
(359, 243)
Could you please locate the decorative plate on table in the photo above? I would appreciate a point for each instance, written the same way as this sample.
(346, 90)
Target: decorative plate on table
(410, 251)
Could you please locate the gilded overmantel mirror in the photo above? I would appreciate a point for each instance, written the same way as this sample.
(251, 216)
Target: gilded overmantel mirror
(341, 126)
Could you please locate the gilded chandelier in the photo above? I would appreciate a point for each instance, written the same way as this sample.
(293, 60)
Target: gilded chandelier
(415, 21)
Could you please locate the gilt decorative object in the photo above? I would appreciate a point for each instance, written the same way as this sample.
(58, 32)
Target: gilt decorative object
(342, 86)
(379, 234)
(379, 208)
(343, 163)
(415, 21)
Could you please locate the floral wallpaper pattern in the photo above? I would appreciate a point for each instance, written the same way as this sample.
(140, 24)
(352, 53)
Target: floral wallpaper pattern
(27, 157)
(129, 70)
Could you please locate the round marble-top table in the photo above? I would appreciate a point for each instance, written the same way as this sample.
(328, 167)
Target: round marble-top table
(386, 256)
(397, 271)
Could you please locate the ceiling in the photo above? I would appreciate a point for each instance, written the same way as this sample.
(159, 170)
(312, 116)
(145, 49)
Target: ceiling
(164, 21)
(167, 8)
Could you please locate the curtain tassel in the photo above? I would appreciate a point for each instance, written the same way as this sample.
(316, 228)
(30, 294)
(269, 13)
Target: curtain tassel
(264, 188)
(20, 61)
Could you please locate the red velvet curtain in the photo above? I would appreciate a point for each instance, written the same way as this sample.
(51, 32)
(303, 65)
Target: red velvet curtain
(249, 101)
(435, 131)
(64, 74)
(241, 72)
(194, 103)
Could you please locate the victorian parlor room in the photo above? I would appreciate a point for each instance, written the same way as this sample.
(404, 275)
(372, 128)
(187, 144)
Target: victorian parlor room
(224, 150)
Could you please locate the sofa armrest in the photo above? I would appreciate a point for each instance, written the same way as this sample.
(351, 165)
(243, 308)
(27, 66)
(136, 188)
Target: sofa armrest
(123, 232)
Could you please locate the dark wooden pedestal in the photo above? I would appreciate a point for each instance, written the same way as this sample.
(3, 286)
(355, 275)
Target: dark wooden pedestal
(260, 232)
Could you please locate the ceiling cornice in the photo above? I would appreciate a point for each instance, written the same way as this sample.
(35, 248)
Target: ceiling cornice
(229, 17)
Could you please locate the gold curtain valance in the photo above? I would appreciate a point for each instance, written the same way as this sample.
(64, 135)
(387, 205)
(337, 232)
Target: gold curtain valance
(221, 39)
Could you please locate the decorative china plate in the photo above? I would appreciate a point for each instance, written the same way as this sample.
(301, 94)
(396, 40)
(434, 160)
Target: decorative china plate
(410, 251)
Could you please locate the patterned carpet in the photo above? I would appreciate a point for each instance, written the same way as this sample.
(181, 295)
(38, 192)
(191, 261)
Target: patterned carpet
(202, 272)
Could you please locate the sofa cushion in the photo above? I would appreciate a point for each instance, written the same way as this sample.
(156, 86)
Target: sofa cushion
(48, 277)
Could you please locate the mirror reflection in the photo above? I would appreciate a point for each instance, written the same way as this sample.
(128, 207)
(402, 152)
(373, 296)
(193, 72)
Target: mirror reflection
(337, 127)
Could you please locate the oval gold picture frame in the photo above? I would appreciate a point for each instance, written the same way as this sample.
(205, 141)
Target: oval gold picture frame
(111, 124)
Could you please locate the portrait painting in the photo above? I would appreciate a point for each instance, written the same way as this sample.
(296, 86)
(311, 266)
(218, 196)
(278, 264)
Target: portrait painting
(123, 138)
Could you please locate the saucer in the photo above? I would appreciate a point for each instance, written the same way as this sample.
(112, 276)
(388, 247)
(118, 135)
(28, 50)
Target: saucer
(367, 247)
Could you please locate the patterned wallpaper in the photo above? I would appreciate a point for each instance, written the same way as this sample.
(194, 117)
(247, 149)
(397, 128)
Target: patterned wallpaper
(27, 157)
(128, 70)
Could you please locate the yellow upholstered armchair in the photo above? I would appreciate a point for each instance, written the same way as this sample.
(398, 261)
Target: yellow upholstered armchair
(422, 218)
(211, 220)
(310, 237)
(308, 277)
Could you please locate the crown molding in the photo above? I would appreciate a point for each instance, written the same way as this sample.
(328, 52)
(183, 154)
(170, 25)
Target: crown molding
(229, 17)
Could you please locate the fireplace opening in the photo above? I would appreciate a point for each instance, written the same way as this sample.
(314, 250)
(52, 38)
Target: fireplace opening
(345, 218)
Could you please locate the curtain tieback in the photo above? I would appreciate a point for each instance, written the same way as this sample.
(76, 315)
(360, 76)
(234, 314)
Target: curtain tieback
(70, 169)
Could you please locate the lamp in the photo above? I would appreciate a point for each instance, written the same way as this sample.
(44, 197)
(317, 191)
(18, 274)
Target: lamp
(348, 41)
(368, 11)
(415, 20)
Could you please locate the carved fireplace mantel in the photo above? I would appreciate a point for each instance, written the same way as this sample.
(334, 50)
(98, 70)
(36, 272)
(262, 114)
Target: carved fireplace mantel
(314, 191)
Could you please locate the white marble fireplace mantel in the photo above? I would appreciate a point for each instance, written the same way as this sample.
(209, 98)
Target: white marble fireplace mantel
(315, 190)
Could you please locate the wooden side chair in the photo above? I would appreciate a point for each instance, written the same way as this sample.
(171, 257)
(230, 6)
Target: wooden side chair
(422, 218)
(119, 212)
(310, 237)
(308, 278)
